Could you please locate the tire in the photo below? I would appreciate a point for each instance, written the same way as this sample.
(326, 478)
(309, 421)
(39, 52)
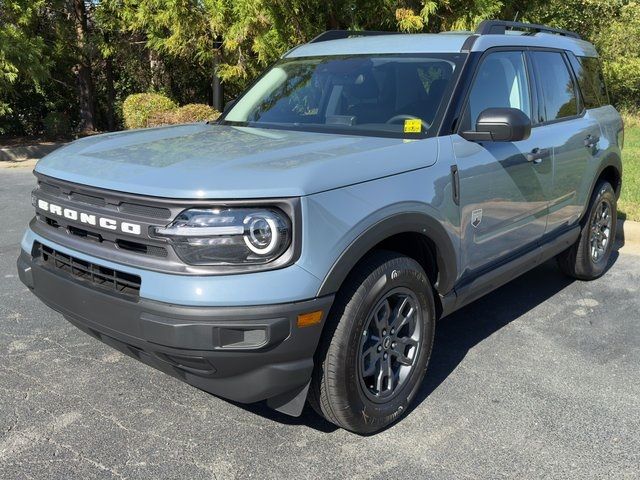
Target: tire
(580, 261)
(343, 390)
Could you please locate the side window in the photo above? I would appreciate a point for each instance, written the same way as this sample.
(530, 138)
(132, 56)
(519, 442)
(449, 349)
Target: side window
(558, 89)
(591, 81)
(501, 82)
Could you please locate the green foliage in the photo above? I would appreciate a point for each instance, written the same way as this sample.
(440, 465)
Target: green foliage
(629, 203)
(196, 112)
(176, 47)
(619, 42)
(57, 125)
(583, 16)
(193, 112)
(408, 21)
(20, 52)
(139, 108)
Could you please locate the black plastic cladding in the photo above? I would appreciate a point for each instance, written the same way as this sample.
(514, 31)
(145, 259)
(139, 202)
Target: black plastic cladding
(113, 246)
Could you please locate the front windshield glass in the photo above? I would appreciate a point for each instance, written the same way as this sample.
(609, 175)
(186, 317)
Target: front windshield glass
(385, 95)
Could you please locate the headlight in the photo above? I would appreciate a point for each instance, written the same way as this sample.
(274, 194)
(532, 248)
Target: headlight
(229, 236)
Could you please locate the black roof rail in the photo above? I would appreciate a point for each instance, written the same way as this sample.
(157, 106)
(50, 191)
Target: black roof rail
(499, 27)
(339, 34)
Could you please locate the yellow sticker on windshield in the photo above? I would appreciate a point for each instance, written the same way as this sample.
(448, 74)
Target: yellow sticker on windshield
(412, 125)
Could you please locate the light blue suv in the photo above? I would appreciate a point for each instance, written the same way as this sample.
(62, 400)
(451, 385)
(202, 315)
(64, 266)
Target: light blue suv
(303, 246)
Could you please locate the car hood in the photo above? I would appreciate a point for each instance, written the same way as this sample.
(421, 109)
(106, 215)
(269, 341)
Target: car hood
(224, 162)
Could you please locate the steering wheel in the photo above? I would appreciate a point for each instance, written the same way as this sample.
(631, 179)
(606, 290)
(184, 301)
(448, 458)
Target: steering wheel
(403, 116)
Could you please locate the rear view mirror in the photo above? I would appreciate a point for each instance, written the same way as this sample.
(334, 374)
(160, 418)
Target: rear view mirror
(500, 125)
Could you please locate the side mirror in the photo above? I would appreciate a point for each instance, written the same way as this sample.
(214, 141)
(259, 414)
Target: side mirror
(228, 105)
(500, 125)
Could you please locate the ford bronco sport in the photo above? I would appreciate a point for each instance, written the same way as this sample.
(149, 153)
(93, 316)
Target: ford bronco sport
(303, 246)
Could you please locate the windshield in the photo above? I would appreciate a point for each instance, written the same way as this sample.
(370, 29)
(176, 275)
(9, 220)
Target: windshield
(386, 95)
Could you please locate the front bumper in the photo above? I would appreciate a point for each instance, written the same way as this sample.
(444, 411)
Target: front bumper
(245, 354)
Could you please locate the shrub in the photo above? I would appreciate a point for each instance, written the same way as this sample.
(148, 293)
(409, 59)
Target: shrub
(139, 108)
(56, 125)
(197, 112)
(193, 112)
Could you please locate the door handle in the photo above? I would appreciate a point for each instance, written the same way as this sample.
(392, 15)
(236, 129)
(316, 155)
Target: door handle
(591, 141)
(536, 155)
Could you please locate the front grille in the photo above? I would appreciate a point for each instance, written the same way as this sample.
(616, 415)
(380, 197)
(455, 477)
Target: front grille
(136, 247)
(142, 248)
(90, 199)
(96, 204)
(151, 211)
(101, 277)
(51, 189)
(145, 210)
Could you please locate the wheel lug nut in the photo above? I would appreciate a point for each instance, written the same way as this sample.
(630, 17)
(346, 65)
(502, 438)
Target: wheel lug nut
(384, 332)
(385, 355)
(379, 348)
(393, 344)
(393, 330)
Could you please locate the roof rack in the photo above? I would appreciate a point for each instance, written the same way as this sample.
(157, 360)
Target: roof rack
(499, 27)
(340, 34)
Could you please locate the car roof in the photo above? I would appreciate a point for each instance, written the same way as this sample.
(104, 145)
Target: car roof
(580, 47)
(448, 42)
(397, 43)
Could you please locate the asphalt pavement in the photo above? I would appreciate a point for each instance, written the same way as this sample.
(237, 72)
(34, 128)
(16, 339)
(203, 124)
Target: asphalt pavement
(540, 379)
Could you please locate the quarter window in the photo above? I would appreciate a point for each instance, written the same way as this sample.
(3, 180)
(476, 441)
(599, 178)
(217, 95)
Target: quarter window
(501, 82)
(558, 89)
(590, 80)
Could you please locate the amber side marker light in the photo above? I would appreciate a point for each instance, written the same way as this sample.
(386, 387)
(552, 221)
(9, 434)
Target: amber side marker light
(309, 319)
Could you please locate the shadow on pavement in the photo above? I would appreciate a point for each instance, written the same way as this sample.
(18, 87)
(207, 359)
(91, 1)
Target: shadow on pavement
(462, 330)
(308, 418)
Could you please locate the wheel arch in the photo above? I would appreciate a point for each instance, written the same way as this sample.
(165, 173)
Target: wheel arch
(414, 234)
(610, 169)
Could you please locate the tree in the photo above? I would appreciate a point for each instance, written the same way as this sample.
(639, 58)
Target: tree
(83, 58)
(83, 69)
(21, 53)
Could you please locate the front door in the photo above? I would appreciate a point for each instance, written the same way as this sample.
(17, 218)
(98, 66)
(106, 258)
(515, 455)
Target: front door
(503, 188)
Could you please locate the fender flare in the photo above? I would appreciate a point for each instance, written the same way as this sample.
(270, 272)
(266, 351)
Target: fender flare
(611, 159)
(405, 222)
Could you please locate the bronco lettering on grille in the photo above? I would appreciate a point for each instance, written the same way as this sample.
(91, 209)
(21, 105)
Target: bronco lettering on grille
(89, 219)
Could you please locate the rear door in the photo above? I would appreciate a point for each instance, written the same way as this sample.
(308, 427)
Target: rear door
(572, 133)
(503, 196)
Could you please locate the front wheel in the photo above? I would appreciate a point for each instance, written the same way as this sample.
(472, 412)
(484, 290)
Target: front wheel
(588, 258)
(375, 351)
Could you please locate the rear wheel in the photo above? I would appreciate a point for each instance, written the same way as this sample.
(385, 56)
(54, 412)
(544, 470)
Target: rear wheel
(588, 258)
(375, 351)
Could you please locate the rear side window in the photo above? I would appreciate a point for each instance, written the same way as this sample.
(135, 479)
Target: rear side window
(590, 80)
(558, 89)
